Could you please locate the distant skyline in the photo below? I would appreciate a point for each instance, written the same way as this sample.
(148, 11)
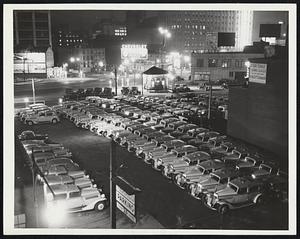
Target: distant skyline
(83, 19)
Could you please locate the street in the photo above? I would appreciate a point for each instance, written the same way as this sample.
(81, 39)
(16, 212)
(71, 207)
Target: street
(160, 198)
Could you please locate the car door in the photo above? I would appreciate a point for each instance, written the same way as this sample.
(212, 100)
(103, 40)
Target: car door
(48, 116)
(241, 197)
(42, 117)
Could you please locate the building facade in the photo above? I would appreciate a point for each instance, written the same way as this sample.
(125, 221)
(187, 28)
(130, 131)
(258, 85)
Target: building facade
(33, 64)
(32, 28)
(259, 114)
(220, 65)
(197, 30)
(85, 59)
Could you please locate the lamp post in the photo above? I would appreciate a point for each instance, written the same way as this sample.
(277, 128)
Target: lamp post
(166, 34)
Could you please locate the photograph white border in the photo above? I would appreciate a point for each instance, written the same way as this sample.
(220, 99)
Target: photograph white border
(8, 113)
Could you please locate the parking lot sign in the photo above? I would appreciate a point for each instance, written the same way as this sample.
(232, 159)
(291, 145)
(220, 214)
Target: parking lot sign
(126, 203)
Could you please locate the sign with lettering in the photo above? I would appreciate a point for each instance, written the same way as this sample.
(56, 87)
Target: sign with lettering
(126, 203)
(134, 52)
(258, 73)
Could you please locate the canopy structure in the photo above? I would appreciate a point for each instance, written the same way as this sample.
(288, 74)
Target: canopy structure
(155, 71)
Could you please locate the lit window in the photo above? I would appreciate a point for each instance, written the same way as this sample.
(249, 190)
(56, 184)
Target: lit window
(67, 40)
(59, 39)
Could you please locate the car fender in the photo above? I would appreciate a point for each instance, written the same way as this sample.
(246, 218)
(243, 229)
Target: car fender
(256, 197)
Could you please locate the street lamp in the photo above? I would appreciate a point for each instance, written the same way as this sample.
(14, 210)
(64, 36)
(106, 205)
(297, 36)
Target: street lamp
(72, 59)
(101, 64)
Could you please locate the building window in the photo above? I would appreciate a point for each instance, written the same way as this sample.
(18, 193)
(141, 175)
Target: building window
(230, 73)
(200, 63)
(212, 62)
(225, 64)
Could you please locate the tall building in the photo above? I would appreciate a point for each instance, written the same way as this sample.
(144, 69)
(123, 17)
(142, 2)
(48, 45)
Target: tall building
(198, 30)
(32, 28)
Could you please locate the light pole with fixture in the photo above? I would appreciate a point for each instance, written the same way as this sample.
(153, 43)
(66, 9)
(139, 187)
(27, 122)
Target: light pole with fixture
(166, 34)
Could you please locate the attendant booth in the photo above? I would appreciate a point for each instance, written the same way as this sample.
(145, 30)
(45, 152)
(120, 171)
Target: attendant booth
(155, 79)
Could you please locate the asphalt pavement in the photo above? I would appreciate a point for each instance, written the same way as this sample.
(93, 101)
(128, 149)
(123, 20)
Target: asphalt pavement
(159, 198)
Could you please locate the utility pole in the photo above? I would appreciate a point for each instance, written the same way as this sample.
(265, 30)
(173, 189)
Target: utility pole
(33, 90)
(209, 101)
(116, 81)
(112, 184)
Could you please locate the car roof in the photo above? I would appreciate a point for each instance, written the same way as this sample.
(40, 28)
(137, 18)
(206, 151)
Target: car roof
(242, 182)
(64, 188)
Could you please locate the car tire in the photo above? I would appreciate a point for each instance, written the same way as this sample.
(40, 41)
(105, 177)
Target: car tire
(54, 121)
(99, 206)
(30, 122)
(223, 209)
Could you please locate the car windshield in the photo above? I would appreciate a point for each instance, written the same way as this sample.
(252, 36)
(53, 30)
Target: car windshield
(201, 170)
(215, 177)
(224, 147)
(233, 187)
(265, 167)
(250, 160)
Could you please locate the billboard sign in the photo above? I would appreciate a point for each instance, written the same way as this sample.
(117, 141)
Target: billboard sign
(258, 73)
(31, 62)
(133, 51)
(126, 203)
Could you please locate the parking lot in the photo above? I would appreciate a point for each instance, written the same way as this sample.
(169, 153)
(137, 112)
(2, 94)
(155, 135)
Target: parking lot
(160, 198)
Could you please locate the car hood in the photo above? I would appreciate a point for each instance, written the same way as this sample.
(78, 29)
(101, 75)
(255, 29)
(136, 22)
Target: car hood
(178, 163)
(208, 182)
(245, 165)
(260, 172)
(226, 192)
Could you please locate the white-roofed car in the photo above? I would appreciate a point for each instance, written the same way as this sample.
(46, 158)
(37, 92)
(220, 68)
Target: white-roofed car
(70, 198)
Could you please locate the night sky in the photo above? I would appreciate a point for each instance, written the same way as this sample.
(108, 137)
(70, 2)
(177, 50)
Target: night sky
(81, 20)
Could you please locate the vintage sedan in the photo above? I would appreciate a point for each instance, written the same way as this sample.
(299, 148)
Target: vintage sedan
(218, 180)
(173, 126)
(235, 156)
(223, 150)
(249, 162)
(194, 132)
(143, 150)
(30, 135)
(265, 170)
(164, 148)
(182, 164)
(212, 143)
(198, 173)
(240, 192)
(162, 161)
(203, 138)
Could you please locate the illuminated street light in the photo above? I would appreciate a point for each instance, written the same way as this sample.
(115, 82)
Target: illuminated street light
(168, 34)
(101, 64)
(26, 100)
(247, 64)
(72, 59)
(161, 30)
(187, 58)
(77, 59)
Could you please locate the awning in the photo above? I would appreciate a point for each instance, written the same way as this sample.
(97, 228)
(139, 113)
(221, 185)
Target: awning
(155, 71)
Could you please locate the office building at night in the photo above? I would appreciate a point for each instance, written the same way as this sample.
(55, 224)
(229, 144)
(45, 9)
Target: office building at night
(87, 59)
(198, 30)
(220, 65)
(32, 29)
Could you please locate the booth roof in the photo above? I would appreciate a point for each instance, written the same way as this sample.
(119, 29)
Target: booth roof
(155, 71)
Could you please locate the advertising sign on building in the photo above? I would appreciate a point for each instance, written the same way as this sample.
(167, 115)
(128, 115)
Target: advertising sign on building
(32, 62)
(258, 73)
(136, 52)
(126, 203)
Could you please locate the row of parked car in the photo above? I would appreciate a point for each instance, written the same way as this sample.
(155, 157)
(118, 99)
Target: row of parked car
(37, 113)
(64, 182)
(81, 93)
(211, 167)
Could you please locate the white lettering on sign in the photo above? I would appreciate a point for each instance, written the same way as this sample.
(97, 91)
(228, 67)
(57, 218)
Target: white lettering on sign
(258, 73)
(126, 212)
(127, 201)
